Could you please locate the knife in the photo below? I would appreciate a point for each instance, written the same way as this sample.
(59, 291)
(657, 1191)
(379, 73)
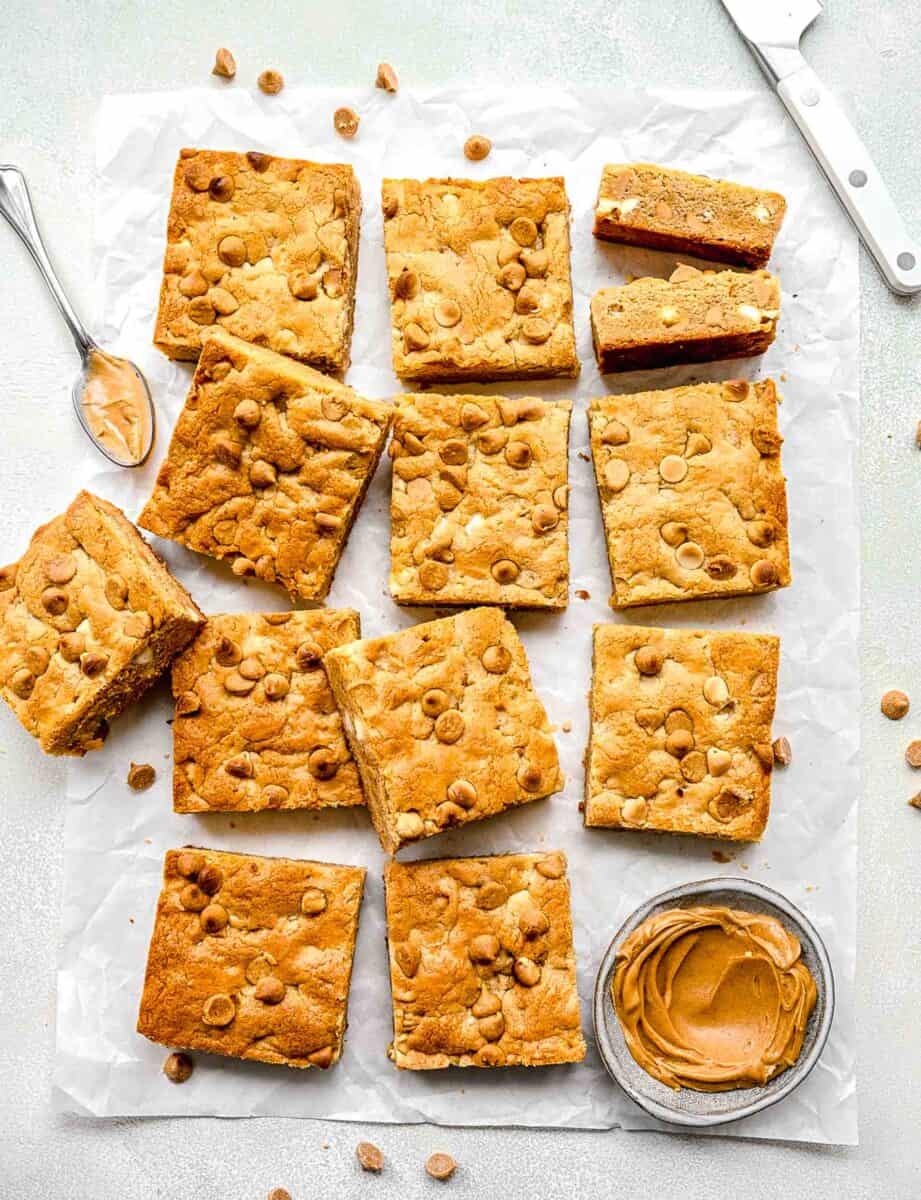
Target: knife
(772, 29)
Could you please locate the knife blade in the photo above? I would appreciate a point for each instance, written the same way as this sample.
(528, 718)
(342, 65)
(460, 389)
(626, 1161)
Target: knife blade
(772, 32)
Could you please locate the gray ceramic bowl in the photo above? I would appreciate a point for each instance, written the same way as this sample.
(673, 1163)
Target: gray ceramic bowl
(700, 1109)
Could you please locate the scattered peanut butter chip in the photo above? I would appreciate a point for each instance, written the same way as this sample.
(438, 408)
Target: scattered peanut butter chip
(225, 64)
(141, 776)
(783, 752)
(894, 705)
(178, 1067)
(368, 1155)
(387, 80)
(918, 444)
(279, 1194)
(720, 856)
(583, 594)
(477, 147)
(271, 82)
(345, 122)
(913, 754)
(915, 801)
(440, 1166)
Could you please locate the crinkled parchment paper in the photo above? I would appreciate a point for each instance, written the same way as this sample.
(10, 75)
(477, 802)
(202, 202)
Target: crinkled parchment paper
(115, 839)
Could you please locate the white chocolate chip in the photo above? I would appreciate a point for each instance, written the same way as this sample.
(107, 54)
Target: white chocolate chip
(716, 691)
(689, 556)
(634, 810)
(672, 468)
(749, 312)
(670, 316)
(718, 761)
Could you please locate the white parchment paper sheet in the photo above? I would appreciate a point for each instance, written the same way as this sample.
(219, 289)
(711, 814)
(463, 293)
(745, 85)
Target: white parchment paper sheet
(115, 839)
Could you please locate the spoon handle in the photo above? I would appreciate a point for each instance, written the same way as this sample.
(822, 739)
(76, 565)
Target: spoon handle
(16, 206)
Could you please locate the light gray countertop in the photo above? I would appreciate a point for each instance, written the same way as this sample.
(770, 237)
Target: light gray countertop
(60, 57)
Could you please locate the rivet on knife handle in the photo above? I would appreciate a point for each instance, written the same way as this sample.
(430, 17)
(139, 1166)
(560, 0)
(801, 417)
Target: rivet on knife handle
(851, 172)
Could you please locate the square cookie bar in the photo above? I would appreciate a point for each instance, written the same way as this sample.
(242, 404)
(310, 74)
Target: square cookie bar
(478, 508)
(681, 731)
(264, 247)
(252, 957)
(647, 205)
(693, 316)
(482, 966)
(444, 724)
(267, 467)
(89, 618)
(479, 278)
(692, 493)
(256, 724)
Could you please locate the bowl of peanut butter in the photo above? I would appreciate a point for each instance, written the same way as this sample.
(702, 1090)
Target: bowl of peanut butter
(713, 1001)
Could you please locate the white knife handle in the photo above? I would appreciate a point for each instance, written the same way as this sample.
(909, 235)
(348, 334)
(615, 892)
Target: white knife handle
(843, 157)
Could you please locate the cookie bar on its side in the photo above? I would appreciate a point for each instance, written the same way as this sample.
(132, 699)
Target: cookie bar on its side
(267, 467)
(479, 278)
(692, 492)
(252, 957)
(694, 316)
(648, 205)
(482, 966)
(256, 724)
(479, 503)
(89, 618)
(264, 247)
(444, 724)
(681, 731)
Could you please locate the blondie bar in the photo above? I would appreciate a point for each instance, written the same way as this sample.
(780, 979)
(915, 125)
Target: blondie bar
(692, 492)
(252, 957)
(256, 725)
(648, 205)
(264, 247)
(267, 466)
(482, 966)
(444, 724)
(681, 731)
(479, 503)
(694, 316)
(89, 618)
(479, 278)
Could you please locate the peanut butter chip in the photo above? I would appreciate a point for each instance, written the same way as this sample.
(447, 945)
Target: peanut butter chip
(673, 533)
(472, 417)
(529, 777)
(449, 728)
(71, 646)
(505, 571)
(736, 389)
(409, 826)
(415, 337)
(615, 433)
(178, 1067)
(718, 761)
(634, 810)
(544, 518)
(248, 414)
(716, 691)
(141, 776)
(477, 147)
(279, 1194)
(271, 82)
(302, 286)
(616, 474)
(763, 573)
(313, 902)
(462, 792)
(491, 895)
(345, 122)
(527, 972)
(193, 898)
(760, 533)
(309, 656)
(484, 948)
(721, 568)
(274, 796)
(189, 863)
(447, 313)
(523, 230)
(213, 918)
(386, 79)
(210, 879)
(913, 754)
(406, 285)
(368, 1155)
(689, 556)
(232, 250)
(54, 601)
(496, 659)
(767, 441)
(535, 330)
(433, 575)
(518, 455)
(270, 990)
(894, 705)
(237, 685)
(62, 570)
(729, 804)
(219, 1010)
(512, 276)
(323, 763)
(221, 188)
(240, 766)
(276, 686)
(672, 468)
(782, 751)
(225, 64)
(649, 660)
(679, 743)
(440, 1166)
(93, 663)
(251, 668)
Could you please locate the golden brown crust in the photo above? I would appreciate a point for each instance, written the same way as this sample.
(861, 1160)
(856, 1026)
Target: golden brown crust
(692, 492)
(482, 967)
(444, 724)
(695, 316)
(648, 205)
(681, 731)
(89, 618)
(267, 466)
(479, 278)
(479, 503)
(256, 725)
(252, 957)
(264, 247)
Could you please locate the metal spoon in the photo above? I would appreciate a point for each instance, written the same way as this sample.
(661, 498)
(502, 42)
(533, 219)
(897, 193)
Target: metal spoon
(16, 206)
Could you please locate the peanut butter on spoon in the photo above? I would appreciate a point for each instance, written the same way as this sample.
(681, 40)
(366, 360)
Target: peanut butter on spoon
(115, 405)
(712, 998)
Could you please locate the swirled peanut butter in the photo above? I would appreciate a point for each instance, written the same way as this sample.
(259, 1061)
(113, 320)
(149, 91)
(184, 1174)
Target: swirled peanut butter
(712, 998)
(116, 407)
